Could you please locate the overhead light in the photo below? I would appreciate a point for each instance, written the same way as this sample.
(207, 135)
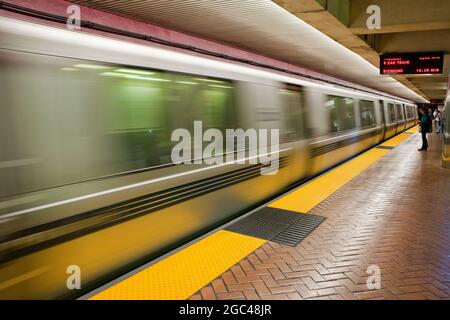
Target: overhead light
(187, 82)
(69, 69)
(217, 86)
(155, 79)
(90, 66)
(131, 76)
(134, 71)
(209, 80)
(329, 103)
(114, 74)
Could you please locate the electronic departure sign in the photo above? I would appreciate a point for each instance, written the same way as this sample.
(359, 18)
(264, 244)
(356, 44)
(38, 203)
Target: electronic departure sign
(412, 63)
(437, 101)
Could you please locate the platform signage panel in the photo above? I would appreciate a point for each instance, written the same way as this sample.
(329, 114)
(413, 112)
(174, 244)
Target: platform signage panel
(412, 63)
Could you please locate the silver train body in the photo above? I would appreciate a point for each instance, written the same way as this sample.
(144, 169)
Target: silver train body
(77, 183)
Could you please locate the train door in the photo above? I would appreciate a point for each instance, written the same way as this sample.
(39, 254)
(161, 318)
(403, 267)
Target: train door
(295, 132)
(400, 117)
(391, 120)
(383, 119)
(405, 116)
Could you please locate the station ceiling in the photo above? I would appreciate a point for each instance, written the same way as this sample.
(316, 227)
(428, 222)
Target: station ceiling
(325, 36)
(408, 26)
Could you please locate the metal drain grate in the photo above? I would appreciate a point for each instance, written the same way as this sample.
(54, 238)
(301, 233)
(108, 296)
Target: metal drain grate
(265, 223)
(385, 147)
(278, 225)
(299, 230)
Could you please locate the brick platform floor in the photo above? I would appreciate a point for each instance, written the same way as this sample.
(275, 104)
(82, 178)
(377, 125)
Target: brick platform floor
(395, 215)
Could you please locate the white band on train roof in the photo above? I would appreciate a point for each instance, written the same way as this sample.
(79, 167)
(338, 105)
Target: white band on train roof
(96, 41)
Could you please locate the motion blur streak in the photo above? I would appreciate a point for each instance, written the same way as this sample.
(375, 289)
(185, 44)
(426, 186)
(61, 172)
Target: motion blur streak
(85, 170)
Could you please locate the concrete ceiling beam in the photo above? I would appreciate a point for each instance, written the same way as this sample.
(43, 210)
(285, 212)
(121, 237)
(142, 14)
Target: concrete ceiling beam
(401, 15)
(318, 17)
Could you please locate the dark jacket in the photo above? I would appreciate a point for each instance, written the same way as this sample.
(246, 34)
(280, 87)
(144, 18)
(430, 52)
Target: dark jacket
(425, 123)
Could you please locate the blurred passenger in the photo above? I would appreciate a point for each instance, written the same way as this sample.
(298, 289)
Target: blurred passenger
(348, 121)
(443, 115)
(438, 121)
(425, 125)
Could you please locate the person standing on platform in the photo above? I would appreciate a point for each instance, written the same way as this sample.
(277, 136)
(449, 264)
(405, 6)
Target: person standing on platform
(438, 120)
(425, 125)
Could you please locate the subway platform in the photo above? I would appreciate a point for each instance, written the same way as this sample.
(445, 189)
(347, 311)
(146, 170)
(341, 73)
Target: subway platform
(387, 210)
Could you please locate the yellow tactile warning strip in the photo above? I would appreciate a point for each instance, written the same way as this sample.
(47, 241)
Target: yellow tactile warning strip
(395, 141)
(314, 192)
(182, 274)
(413, 129)
(311, 194)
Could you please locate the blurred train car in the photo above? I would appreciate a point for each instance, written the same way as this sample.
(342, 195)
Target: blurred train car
(86, 177)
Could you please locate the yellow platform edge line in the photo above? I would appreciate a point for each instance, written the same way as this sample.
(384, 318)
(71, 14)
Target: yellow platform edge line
(311, 194)
(397, 140)
(182, 274)
(413, 129)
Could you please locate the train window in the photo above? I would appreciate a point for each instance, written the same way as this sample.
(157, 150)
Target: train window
(293, 106)
(400, 112)
(409, 112)
(136, 117)
(367, 113)
(331, 108)
(341, 112)
(81, 120)
(153, 110)
(347, 113)
(213, 105)
(391, 112)
(212, 102)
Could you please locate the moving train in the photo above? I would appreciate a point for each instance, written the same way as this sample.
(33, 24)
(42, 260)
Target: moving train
(86, 177)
